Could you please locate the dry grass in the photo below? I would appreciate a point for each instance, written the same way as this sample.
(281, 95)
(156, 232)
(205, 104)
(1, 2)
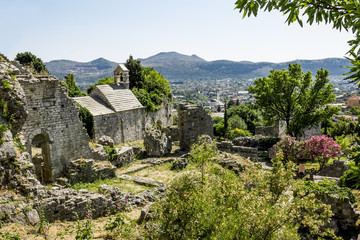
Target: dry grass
(139, 143)
(164, 173)
(124, 185)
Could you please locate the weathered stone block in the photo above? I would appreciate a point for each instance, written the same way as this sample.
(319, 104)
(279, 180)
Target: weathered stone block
(125, 155)
(88, 170)
(157, 143)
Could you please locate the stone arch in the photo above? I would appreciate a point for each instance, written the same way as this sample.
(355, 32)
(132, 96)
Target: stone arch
(41, 157)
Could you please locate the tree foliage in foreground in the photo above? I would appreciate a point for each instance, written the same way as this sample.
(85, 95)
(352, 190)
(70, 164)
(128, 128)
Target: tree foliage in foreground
(262, 205)
(294, 97)
(343, 14)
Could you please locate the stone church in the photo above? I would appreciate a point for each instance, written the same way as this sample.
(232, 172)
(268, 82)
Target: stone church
(117, 112)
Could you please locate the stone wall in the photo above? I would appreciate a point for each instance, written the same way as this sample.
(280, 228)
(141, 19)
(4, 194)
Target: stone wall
(278, 130)
(310, 131)
(162, 117)
(122, 127)
(193, 122)
(53, 122)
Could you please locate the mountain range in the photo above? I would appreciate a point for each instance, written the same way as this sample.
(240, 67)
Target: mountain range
(178, 67)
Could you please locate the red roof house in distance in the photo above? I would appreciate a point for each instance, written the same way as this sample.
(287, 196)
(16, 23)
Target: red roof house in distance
(353, 101)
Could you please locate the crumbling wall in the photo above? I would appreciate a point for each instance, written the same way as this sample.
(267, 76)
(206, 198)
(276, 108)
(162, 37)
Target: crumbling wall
(193, 122)
(122, 127)
(162, 117)
(53, 115)
(308, 132)
(278, 130)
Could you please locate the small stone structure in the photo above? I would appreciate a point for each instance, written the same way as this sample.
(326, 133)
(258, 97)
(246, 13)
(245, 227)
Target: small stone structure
(310, 131)
(278, 130)
(117, 113)
(52, 124)
(89, 170)
(193, 122)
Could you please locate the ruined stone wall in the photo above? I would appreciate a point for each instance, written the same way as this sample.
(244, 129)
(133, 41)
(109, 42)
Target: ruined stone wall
(125, 126)
(310, 131)
(278, 130)
(162, 116)
(55, 116)
(193, 122)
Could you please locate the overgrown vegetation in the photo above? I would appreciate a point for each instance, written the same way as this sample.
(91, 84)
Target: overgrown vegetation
(72, 89)
(223, 206)
(32, 63)
(87, 119)
(327, 187)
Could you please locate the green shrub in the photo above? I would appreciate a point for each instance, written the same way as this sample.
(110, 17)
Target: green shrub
(112, 154)
(33, 63)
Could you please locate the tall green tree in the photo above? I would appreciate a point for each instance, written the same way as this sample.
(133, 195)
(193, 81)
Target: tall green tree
(137, 77)
(252, 117)
(149, 86)
(294, 97)
(343, 14)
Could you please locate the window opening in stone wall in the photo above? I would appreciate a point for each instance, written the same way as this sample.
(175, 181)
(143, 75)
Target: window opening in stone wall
(40, 153)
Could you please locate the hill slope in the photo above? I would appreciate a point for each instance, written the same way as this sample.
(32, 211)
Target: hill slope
(175, 67)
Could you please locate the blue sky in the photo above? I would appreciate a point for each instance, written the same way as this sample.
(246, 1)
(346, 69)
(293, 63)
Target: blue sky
(84, 30)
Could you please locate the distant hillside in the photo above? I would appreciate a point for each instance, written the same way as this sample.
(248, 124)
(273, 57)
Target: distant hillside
(89, 72)
(175, 67)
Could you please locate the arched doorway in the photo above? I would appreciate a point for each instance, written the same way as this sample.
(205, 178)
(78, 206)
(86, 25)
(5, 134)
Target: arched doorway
(40, 153)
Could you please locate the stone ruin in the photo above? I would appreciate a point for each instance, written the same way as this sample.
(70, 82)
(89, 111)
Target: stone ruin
(193, 122)
(52, 126)
(278, 130)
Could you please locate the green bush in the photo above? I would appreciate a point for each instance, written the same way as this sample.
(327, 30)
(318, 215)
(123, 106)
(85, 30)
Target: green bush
(33, 63)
